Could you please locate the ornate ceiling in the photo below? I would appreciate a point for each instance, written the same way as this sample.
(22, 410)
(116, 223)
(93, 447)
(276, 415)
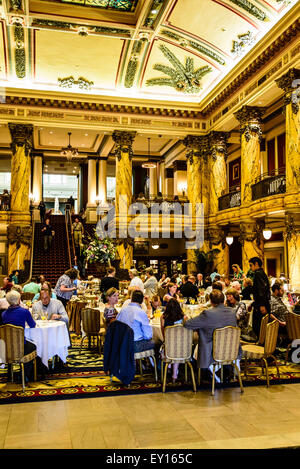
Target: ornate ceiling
(166, 50)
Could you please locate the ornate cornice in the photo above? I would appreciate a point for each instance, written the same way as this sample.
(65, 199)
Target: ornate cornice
(65, 104)
(196, 146)
(289, 82)
(272, 50)
(124, 141)
(218, 143)
(250, 119)
(21, 135)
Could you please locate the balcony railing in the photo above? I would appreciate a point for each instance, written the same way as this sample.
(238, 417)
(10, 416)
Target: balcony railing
(230, 200)
(269, 184)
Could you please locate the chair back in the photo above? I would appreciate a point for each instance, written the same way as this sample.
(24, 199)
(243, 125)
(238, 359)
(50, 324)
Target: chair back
(226, 342)
(13, 336)
(90, 320)
(27, 296)
(178, 342)
(271, 336)
(262, 330)
(293, 325)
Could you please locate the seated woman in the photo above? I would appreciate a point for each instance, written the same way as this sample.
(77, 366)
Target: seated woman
(46, 286)
(173, 315)
(233, 301)
(110, 312)
(171, 293)
(155, 303)
(238, 274)
(247, 289)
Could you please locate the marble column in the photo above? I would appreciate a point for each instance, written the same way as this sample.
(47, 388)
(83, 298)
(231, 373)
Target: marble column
(153, 181)
(102, 180)
(19, 231)
(37, 179)
(249, 118)
(289, 83)
(292, 236)
(162, 178)
(219, 249)
(92, 182)
(123, 141)
(197, 185)
(217, 163)
(251, 239)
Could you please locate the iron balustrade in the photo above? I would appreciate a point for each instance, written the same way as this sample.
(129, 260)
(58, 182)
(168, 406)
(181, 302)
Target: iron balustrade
(230, 200)
(269, 184)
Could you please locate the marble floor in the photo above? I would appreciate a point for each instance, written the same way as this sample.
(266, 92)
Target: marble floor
(259, 418)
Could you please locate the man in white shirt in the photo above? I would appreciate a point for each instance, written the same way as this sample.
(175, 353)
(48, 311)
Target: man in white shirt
(136, 281)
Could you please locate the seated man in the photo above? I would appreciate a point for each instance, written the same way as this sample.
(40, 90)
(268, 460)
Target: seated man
(205, 323)
(189, 289)
(278, 310)
(18, 316)
(53, 308)
(135, 317)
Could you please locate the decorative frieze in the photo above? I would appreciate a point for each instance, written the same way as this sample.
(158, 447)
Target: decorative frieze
(69, 82)
(251, 8)
(20, 56)
(74, 27)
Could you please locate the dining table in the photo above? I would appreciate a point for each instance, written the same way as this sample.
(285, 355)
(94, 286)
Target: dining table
(51, 337)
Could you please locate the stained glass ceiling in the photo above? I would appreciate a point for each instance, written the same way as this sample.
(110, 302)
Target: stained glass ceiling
(118, 5)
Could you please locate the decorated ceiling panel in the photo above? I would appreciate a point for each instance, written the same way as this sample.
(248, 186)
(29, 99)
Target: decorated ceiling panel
(172, 50)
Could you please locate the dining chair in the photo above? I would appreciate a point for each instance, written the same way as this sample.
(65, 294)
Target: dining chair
(226, 343)
(146, 354)
(293, 330)
(13, 337)
(177, 349)
(91, 325)
(259, 352)
(27, 296)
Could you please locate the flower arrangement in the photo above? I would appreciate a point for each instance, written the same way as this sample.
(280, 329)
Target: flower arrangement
(100, 250)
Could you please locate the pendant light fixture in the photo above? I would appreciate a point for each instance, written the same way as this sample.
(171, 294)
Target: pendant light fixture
(69, 152)
(150, 164)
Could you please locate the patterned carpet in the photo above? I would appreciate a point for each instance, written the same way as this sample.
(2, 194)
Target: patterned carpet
(85, 377)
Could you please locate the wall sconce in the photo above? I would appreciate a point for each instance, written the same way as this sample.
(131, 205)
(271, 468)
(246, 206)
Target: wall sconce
(155, 246)
(229, 240)
(267, 234)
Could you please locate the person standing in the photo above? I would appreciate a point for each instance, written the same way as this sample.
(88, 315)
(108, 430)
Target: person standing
(136, 281)
(261, 293)
(15, 277)
(65, 287)
(109, 281)
(151, 283)
(42, 209)
(48, 234)
(77, 232)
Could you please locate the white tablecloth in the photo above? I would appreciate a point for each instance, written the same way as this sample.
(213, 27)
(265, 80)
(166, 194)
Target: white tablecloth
(51, 338)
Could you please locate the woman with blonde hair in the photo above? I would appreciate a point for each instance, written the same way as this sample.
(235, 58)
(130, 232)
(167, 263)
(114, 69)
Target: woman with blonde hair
(238, 274)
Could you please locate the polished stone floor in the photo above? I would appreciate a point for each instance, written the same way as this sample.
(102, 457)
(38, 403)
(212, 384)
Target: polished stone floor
(259, 418)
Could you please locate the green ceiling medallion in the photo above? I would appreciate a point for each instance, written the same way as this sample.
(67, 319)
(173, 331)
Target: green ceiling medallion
(183, 78)
(118, 5)
(195, 45)
(82, 83)
(252, 9)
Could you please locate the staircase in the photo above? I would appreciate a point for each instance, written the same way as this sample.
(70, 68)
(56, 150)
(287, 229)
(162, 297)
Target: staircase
(55, 262)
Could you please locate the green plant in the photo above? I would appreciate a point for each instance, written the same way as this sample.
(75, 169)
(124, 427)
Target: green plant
(205, 260)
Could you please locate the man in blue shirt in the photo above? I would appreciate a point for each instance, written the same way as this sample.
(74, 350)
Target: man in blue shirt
(135, 317)
(18, 316)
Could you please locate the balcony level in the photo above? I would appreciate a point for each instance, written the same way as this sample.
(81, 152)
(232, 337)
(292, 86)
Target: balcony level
(271, 183)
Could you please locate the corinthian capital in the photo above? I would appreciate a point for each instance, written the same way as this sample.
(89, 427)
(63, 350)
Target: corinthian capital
(124, 141)
(250, 118)
(21, 135)
(218, 143)
(196, 146)
(290, 84)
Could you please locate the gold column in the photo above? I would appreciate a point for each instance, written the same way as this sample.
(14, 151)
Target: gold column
(219, 249)
(250, 129)
(123, 141)
(102, 180)
(19, 231)
(292, 236)
(251, 240)
(289, 82)
(37, 186)
(197, 185)
(218, 180)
